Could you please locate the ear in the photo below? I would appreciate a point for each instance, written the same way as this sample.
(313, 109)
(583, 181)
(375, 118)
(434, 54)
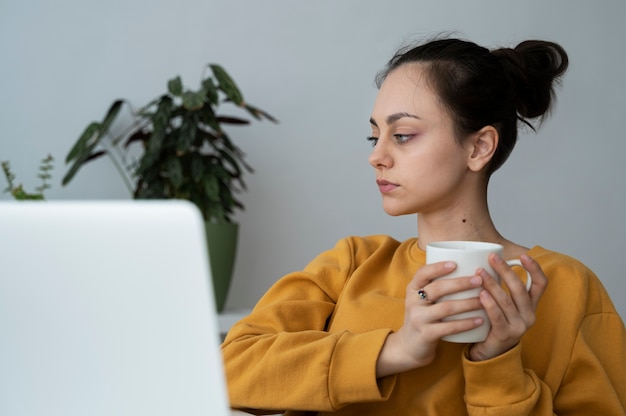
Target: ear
(482, 146)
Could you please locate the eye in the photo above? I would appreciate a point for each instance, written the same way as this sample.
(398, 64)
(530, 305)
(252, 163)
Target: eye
(373, 140)
(403, 138)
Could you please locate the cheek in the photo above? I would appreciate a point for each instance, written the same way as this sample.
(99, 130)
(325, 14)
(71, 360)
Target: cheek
(424, 163)
(436, 170)
(449, 157)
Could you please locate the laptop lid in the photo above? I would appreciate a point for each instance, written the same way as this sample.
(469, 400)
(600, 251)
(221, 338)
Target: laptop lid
(106, 308)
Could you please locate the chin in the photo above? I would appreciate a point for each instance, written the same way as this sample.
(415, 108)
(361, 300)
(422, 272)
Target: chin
(397, 211)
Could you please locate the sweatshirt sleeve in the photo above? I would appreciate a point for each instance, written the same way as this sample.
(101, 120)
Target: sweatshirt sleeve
(501, 386)
(281, 356)
(578, 355)
(594, 382)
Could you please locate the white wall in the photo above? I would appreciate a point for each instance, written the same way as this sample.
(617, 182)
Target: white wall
(312, 64)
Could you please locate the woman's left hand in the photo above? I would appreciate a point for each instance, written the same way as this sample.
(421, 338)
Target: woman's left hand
(511, 314)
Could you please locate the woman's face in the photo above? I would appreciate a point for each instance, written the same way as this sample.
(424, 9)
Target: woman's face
(420, 167)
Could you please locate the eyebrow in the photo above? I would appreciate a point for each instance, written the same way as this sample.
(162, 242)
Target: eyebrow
(392, 118)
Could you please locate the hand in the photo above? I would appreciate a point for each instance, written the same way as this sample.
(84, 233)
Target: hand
(511, 314)
(415, 344)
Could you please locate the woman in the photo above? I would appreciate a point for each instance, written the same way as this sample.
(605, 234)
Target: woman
(358, 331)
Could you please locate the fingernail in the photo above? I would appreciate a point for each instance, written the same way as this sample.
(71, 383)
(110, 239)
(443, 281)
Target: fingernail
(482, 272)
(476, 280)
(496, 258)
(450, 265)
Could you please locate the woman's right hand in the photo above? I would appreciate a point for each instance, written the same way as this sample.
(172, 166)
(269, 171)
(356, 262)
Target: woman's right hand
(414, 344)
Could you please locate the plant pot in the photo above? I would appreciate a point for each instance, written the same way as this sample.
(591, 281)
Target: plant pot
(222, 244)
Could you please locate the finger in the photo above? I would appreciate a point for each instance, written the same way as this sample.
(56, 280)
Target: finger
(506, 327)
(517, 288)
(496, 301)
(539, 279)
(439, 288)
(436, 313)
(494, 312)
(505, 313)
(429, 272)
(450, 308)
(507, 274)
(443, 329)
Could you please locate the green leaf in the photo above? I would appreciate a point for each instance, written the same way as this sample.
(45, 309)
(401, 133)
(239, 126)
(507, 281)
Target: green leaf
(161, 117)
(197, 169)
(235, 170)
(73, 169)
(259, 114)
(210, 91)
(79, 162)
(207, 116)
(160, 123)
(21, 195)
(175, 172)
(193, 100)
(110, 117)
(187, 133)
(152, 188)
(137, 136)
(82, 151)
(8, 174)
(175, 86)
(212, 187)
(232, 120)
(223, 142)
(227, 84)
(95, 155)
(83, 143)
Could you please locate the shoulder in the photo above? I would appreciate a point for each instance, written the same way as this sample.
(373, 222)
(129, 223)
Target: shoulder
(557, 262)
(374, 241)
(366, 246)
(571, 279)
(353, 251)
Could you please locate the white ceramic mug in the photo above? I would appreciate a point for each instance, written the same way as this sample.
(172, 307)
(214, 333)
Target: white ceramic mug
(468, 256)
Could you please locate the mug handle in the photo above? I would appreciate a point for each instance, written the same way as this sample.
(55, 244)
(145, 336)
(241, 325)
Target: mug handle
(529, 280)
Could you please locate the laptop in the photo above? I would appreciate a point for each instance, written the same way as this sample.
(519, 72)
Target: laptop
(106, 308)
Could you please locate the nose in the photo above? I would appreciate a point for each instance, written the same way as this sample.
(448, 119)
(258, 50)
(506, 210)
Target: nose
(380, 157)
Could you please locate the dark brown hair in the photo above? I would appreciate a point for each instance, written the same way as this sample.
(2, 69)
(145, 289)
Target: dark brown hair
(480, 87)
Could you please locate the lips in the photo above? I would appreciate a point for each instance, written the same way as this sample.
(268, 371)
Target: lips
(385, 186)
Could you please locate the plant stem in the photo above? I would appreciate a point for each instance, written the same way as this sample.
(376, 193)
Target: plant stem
(122, 170)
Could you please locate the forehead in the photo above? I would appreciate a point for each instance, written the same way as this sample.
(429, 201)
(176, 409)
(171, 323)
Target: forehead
(406, 89)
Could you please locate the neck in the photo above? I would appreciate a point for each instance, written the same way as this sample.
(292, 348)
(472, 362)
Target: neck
(468, 221)
(457, 227)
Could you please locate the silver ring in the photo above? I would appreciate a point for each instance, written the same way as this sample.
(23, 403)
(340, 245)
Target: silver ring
(422, 295)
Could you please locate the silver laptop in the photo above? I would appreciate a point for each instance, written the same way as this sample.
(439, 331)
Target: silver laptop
(106, 308)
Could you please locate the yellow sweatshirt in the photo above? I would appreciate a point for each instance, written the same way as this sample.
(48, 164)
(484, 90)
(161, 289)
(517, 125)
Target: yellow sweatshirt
(311, 344)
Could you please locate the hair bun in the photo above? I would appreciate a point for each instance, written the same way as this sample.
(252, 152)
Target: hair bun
(535, 68)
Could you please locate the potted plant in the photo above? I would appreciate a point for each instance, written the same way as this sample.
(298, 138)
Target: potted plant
(183, 152)
(18, 192)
